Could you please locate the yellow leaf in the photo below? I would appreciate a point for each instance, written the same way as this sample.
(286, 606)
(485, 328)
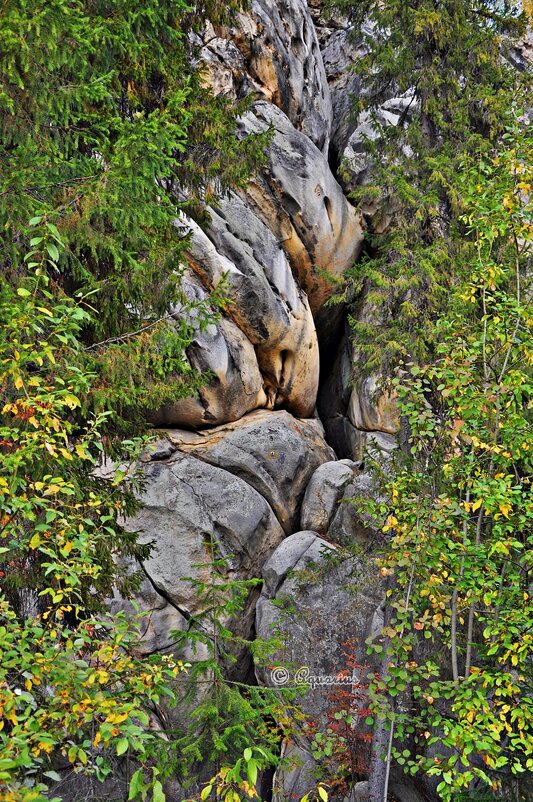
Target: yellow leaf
(19, 383)
(477, 504)
(505, 509)
(35, 542)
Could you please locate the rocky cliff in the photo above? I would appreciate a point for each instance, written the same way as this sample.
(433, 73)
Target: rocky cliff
(263, 458)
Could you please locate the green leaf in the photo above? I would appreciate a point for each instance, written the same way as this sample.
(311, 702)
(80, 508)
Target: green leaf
(52, 775)
(52, 251)
(136, 784)
(122, 746)
(205, 792)
(251, 772)
(158, 795)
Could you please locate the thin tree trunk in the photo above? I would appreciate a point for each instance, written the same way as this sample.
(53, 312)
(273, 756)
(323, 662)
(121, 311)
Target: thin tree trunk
(379, 766)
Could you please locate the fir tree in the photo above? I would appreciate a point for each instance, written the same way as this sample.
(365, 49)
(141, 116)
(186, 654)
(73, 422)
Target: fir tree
(448, 60)
(107, 132)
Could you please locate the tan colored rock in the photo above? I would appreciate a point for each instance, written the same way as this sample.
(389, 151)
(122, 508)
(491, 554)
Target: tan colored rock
(283, 61)
(372, 409)
(267, 305)
(236, 383)
(300, 201)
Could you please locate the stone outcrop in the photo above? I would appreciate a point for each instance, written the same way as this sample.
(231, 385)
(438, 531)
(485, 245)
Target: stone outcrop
(282, 244)
(273, 452)
(261, 465)
(303, 204)
(187, 504)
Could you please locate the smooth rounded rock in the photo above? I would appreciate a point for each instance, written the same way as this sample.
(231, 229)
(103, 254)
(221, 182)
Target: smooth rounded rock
(187, 505)
(267, 305)
(222, 351)
(322, 495)
(273, 452)
(300, 201)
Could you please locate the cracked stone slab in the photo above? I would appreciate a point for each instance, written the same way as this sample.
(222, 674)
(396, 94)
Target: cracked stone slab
(187, 504)
(272, 451)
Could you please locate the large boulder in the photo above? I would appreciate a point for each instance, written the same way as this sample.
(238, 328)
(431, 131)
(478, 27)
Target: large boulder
(316, 601)
(193, 511)
(159, 619)
(222, 352)
(273, 452)
(372, 408)
(323, 494)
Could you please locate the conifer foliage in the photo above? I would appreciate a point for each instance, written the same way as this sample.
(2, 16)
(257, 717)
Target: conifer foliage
(459, 514)
(108, 132)
(448, 63)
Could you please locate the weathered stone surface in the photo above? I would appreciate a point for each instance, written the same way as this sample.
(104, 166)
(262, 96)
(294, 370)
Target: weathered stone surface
(372, 409)
(268, 306)
(328, 603)
(224, 67)
(279, 43)
(333, 401)
(339, 54)
(351, 523)
(297, 776)
(285, 557)
(236, 385)
(160, 618)
(355, 413)
(186, 503)
(272, 451)
(323, 494)
(303, 205)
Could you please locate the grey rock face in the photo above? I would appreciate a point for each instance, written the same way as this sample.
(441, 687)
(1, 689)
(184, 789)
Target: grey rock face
(323, 494)
(225, 352)
(356, 412)
(272, 451)
(285, 63)
(160, 617)
(285, 557)
(351, 523)
(339, 53)
(314, 613)
(186, 503)
(267, 305)
(297, 776)
(371, 408)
